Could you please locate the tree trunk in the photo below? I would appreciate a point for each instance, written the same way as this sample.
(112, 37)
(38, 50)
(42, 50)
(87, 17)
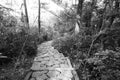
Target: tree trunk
(117, 4)
(26, 15)
(39, 23)
(79, 13)
(79, 8)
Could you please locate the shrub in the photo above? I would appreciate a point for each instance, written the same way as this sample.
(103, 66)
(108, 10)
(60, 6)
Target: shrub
(102, 65)
(15, 41)
(18, 45)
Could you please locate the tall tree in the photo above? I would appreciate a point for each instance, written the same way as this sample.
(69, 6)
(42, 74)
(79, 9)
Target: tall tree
(26, 15)
(79, 8)
(39, 23)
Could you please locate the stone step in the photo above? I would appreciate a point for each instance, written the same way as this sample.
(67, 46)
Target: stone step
(49, 64)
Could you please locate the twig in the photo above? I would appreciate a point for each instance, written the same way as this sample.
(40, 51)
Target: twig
(99, 33)
(34, 21)
(53, 14)
(91, 46)
(96, 36)
(6, 7)
(21, 52)
(64, 7)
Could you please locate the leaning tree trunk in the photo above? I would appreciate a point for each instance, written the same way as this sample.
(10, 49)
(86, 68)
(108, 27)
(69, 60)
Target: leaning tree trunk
(39, 23)
(26, 15)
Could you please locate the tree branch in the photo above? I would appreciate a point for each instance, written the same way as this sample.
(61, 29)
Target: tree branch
(1, 6)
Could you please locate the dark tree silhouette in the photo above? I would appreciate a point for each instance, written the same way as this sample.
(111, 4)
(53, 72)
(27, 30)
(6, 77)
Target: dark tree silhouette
(26, 15)
(39, 23)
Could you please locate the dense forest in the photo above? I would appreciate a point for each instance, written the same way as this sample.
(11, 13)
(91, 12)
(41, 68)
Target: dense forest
(88, 33)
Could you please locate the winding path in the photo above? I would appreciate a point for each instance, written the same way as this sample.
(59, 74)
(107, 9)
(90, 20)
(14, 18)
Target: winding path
(49, 64)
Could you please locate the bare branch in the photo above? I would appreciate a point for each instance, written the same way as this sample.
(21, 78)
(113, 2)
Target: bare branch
(65, 9)
(54, 14)
(1, 6)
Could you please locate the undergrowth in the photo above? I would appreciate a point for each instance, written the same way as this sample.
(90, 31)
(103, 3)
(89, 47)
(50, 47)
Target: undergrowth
(102, 64)
(18, 47)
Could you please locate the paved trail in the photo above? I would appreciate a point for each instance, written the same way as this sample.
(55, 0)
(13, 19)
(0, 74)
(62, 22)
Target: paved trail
(49, 64)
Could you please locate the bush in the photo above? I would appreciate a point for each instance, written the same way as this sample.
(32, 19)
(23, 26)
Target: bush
(104, 61)
(82, 49)
(102, 65)
(66, 21)
(18, 46)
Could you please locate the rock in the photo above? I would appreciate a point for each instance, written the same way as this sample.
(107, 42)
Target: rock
(38, 66)
(39, 73)
(49, 64)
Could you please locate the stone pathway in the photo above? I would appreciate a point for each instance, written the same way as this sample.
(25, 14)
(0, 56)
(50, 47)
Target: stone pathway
(49, 64)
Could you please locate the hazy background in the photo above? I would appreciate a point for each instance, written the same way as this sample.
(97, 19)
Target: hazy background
(47, 18)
